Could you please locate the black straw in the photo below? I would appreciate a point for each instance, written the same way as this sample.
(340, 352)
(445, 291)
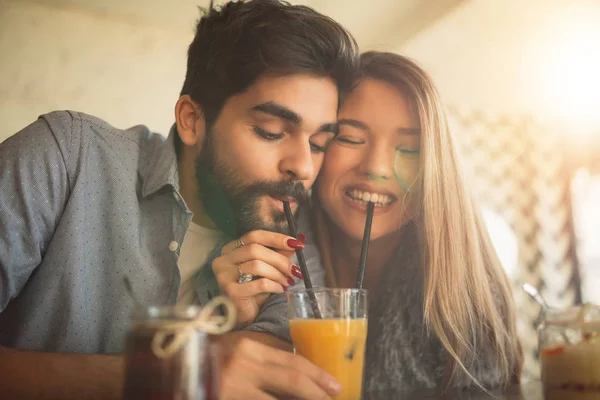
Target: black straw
(301, 260)
(364, 250)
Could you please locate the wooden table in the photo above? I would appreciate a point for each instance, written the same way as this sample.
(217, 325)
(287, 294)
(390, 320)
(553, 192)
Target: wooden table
(526, 391)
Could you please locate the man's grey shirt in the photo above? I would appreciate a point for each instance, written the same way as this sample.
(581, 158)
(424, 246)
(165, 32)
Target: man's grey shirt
(82, 205)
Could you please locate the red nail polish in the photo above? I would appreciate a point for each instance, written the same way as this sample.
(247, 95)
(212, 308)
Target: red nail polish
(291, 282)
(296, 272)
(302, 237)
(295, 244)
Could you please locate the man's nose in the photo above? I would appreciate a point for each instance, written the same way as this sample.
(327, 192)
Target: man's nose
(298, 163)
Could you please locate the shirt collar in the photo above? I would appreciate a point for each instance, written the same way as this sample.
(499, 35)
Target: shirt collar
(160, 167)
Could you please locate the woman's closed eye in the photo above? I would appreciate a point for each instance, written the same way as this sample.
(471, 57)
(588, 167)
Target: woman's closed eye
(349, 140)
(408, 151)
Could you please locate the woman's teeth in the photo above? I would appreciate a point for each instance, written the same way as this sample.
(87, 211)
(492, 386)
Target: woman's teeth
(379, 199)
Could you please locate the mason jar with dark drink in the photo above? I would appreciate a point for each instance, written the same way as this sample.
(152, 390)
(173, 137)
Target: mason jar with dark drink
(184, 372)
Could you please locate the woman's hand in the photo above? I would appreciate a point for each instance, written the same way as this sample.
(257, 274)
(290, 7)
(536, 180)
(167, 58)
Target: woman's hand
(263, 256)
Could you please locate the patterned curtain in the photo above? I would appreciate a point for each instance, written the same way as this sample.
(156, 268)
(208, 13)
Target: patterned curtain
(585, 189)
(517, 169)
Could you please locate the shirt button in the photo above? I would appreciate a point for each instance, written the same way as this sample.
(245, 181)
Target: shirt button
(177, 198)
(173, 246)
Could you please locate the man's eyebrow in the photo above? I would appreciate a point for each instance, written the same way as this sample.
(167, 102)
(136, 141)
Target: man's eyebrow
(279, 111)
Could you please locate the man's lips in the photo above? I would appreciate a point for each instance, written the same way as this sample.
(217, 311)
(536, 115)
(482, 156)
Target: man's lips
(278, 201)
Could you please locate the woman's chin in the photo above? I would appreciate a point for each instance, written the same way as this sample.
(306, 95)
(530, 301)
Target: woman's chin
(357, 233)
(354, 228)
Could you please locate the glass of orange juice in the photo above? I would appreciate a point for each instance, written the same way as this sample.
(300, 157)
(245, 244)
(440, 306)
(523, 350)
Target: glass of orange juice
(334, 337)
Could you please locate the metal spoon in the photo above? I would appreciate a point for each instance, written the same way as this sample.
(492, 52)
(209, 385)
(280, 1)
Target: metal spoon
(535, 295)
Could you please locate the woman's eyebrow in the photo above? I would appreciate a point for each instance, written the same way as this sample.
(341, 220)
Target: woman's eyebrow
(409, 131)
(353, 122)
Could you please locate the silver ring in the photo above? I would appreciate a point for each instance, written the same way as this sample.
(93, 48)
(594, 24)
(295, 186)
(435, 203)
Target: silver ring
(244, 277)
(239, 243)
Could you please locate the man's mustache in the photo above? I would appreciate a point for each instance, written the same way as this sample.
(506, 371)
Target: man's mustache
(292, 189)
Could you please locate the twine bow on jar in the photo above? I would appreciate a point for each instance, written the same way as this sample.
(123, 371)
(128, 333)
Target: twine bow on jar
(171, 336)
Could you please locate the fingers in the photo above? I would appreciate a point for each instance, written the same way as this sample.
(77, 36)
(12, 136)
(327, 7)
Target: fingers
(298, 365)
(240, 380)
(251, 289)
(264, 270)
(317, 375)
(270, 239)
(286, 253)
(265, 255)
(255, 251)
(304, 367)
(276, 372)
(284, 381)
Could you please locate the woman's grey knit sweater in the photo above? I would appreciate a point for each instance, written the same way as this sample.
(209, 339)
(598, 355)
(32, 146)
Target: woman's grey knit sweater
(400, 352)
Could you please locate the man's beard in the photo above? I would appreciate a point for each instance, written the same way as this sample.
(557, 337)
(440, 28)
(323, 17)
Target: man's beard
(235, 206)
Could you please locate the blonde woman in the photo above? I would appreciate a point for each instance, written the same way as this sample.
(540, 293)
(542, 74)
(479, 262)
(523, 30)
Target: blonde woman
(441, 309)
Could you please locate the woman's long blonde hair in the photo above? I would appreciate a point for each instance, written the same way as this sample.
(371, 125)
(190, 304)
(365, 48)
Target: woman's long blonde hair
(467, 295)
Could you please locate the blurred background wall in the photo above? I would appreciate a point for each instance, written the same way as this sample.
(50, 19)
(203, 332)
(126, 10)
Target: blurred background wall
(125, 60)
(521, 81)
(74, 55)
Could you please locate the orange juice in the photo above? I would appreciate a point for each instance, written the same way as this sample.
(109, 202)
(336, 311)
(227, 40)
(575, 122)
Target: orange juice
(337, 346)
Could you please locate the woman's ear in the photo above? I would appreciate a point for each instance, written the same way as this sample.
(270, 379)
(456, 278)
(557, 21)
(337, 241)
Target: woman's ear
(190, 121)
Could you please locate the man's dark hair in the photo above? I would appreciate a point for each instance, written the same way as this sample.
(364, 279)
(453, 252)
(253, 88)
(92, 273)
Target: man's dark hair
(240, 41)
